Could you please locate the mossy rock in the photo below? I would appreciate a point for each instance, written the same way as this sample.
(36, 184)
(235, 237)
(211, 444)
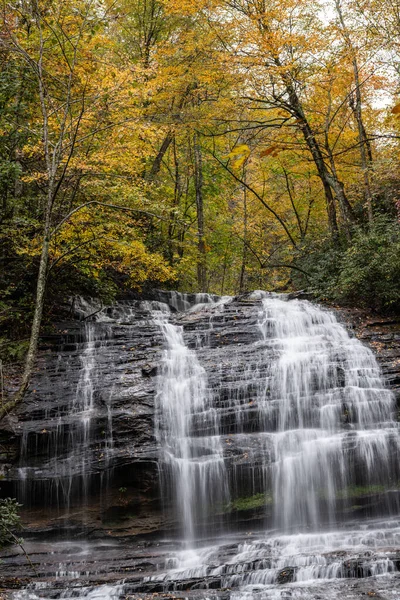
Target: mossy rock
(249, 503)
(357, 491)
(360, 491)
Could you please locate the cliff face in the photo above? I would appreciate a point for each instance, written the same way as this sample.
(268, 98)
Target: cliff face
(382, 335)
(81, 454)
(85, 430)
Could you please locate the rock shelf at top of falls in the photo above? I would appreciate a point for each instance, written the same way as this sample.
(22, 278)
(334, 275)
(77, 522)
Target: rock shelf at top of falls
(237, 447)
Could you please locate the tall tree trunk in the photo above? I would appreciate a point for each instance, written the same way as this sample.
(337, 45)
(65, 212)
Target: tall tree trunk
(297, 111)
(37, 316)
(365, 148)
(345, 207)
(201, 246)
(242, 279)
(334, 181)
(338, 186)
(169, 137)
(155, 168)
(315, 151)
(52, 156)
(323, 175)
(356, 106)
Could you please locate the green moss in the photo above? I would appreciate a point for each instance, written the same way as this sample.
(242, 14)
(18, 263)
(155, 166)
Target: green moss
(356, 491)
(249, 503)
(359, 491)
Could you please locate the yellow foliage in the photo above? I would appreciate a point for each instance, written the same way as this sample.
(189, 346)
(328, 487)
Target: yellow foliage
(239, 155)
(145, 78)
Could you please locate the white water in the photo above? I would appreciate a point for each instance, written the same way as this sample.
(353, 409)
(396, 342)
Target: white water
(320, 378)
(325, 433)
(102, 592)
(69, 472)
(195, 470)
(310, 427)
(330, 555)
(325, 419)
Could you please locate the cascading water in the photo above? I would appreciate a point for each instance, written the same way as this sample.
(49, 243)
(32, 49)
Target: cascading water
(278, 452)
(83, 408)
(59, 459)
(333, 415)
(324, 429)
(69, 471)
(194, 465)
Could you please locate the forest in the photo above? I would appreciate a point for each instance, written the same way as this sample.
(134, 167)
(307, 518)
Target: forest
(199, 299)
(214, 146)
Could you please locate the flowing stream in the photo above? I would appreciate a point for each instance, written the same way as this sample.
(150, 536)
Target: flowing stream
(192, 468)
(293, 427)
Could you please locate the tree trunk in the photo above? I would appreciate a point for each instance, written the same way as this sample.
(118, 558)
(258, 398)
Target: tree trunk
(365, 148)
(37, 316)
(345, 207)
(334, 181)
(356, 106)
(158, 159)
(323, 175)
(242, 279)
(297, 111)
(338, 187)
(201, 246)
(316, 154)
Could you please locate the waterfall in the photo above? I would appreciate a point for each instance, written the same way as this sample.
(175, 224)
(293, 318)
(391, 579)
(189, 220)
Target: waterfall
(68, 445)
(103, 592)
(311, 423)
(325, 419)
(82, 408)
(333, 414)
(195, 465)
(275, 438)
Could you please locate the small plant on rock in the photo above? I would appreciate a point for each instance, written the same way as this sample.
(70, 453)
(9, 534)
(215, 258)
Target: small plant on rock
(9, 521)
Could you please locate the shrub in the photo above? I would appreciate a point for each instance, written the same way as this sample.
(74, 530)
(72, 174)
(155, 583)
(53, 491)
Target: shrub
(365, 271)
(9, 520)
(370, 268)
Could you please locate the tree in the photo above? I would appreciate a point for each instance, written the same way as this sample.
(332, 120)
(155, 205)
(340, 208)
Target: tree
(60, 46)
(356, 105)
(213, 145)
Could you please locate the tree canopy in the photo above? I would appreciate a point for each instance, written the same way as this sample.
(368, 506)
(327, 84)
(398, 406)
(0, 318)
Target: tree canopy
(210, 145)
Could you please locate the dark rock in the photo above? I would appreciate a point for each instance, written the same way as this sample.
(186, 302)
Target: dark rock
(286, 575)
(116, 467)
(149, 370)
(13, 583)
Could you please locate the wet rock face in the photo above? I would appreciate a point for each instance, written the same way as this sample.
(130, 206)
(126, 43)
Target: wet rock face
(85, 434)
(86, 425)
(286, 575)
(85, 452)
(382, 335)
(241, 568)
